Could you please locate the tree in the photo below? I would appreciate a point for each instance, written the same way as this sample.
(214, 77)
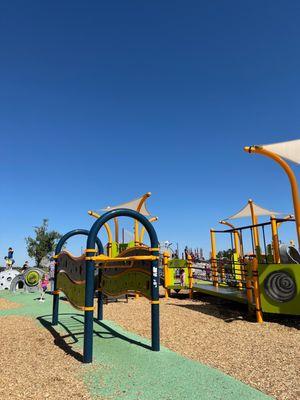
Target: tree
(227, 254)
(43, 245)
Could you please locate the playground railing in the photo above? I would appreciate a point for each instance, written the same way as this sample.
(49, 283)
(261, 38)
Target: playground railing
(227, 272)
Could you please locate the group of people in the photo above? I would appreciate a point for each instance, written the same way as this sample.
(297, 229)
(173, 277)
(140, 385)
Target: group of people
(47, 278)
(196, 254)
(9, 260)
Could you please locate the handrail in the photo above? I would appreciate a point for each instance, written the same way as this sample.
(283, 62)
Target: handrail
(104, 258)
(253, 226)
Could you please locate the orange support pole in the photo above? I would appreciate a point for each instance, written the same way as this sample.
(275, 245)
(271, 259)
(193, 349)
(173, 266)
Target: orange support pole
(190, 271)
(275, 240)
(214, 266)
(254, 222)
(256, 291)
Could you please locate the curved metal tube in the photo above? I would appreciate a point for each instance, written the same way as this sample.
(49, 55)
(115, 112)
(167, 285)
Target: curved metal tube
(153, 219)
(237, 238)
(108, 231)
(292, 179)
(76, 232)
(136, 224)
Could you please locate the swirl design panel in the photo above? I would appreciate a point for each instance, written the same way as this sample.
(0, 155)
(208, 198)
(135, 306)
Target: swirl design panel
(280, 286)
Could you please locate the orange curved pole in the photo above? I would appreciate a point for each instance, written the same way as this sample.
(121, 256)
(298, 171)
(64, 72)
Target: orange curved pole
(136, 224)
(153, 219)
(254, 222)
(107, 228)
(237, 239)
(291, 176)
(116, 222)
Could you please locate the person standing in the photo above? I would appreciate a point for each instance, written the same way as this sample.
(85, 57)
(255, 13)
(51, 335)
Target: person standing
(43, 286)
(182, 277)
(51, 273)
(10, 257)
(186, 252)
(10, 253)
(25, 266)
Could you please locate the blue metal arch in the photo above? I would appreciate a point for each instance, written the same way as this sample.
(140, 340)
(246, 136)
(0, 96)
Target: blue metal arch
(76, 232)
(58, 248)
(90, 267)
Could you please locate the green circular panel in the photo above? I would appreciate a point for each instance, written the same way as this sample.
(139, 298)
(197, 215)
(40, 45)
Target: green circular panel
(32, 278)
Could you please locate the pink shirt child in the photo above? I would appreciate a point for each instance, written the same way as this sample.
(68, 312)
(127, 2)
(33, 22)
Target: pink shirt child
(44, 283)
(182, 277)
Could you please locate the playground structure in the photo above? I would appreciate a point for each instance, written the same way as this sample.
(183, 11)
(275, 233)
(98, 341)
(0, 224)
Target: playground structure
(267, 280)
(132, 268)
(268, 277)
(114, 245)
(14, 279)
(278, 152)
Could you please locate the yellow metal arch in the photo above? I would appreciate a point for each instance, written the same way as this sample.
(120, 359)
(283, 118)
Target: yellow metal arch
(108, 230)
(153, 219)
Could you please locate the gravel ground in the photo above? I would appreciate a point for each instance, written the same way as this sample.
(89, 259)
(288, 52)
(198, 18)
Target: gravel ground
(45, 372)
(219, 333)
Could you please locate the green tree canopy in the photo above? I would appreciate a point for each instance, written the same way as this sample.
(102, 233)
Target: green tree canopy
(43, 244)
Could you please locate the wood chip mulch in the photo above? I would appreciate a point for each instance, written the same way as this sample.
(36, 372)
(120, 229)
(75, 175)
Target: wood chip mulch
(214, 332)
(32, 367)
(220, 334)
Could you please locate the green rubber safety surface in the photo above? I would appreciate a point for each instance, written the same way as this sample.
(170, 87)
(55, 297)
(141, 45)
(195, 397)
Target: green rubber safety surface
(125, 369)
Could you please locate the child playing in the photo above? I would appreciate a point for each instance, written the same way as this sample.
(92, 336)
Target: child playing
(8, 262)
(10, 258)
(43, 285)
(10, 253)
(182, 276)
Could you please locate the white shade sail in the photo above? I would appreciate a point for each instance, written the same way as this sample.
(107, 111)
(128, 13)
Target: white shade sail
(131, 205)
(258, 211)
(289, 150)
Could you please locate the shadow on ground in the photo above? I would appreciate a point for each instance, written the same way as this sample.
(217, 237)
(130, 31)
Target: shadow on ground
(230, 311)
(70, 332)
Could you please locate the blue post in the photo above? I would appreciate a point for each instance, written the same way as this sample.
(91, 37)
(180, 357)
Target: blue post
(155, 304)
(89, 308)
(55, 296)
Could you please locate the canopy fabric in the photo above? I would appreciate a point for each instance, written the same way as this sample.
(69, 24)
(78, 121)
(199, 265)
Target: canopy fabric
(289, 150)
(246, 212)
(131, 205)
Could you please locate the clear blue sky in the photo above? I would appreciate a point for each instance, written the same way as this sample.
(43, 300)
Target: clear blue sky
(103, 101)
